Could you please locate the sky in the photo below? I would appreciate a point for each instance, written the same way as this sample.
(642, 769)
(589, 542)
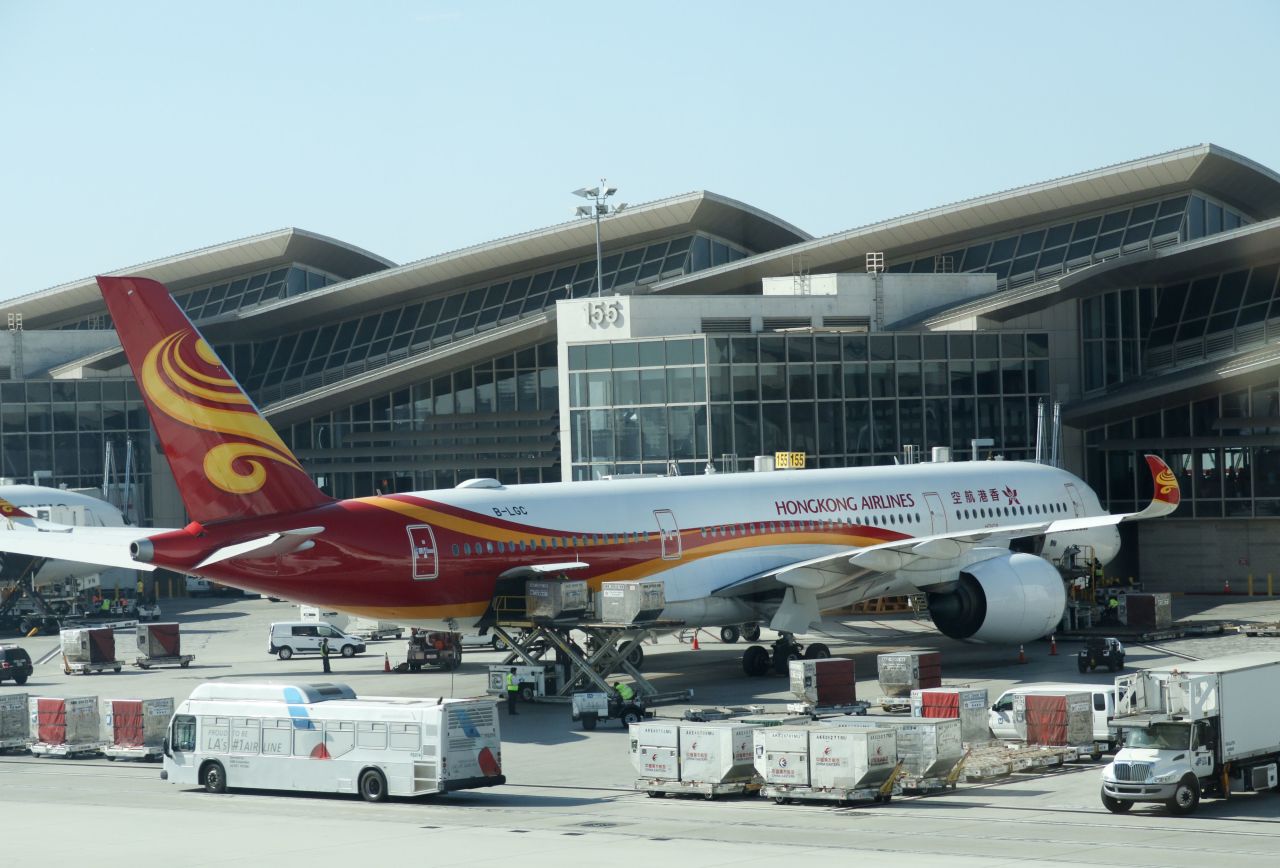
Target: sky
(131, 131)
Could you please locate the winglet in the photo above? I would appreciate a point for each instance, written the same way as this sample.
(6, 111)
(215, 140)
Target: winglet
(1167, 494)
(9, 511)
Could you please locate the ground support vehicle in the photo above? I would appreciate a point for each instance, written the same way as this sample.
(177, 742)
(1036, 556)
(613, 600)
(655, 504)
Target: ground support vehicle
(1100, 651)
(591, 708)
(441, 650)
(286, 638)
(783, 794)
(269, 736)
(705, 789)
(161, 645)
(15, 664)
(82, 668)
(683, 757)
(817, 712)
(182, 660)
(15, 726)
(65, 727)
(89, 650)
(995, 760)
(1198, 728)
(1003, 721)
(826, 763)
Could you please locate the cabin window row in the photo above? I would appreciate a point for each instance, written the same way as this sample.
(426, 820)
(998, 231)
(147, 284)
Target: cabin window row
(997, 511)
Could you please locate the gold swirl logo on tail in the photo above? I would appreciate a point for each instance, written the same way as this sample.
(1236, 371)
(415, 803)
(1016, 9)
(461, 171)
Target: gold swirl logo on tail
(174, 383)
(1167, 482)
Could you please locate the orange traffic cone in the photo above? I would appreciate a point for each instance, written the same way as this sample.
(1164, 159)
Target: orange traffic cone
(1053, 647)
(695, 641)
(1022, 654)
(386, 662)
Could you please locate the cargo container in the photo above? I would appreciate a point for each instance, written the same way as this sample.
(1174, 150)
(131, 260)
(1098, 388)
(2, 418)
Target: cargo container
(967, 704)
(1148, 611)
(782, 755)
(825, 683)
(655, 749)
(901, 672)
(161, 645)
(89, 649)
(64, 726)
(15, 725)
(1196, 728)
(630, 602)
(929, 748)
(851, 759)
(1056, 719)
(553, 600)
(135, 728)
(1003, 723)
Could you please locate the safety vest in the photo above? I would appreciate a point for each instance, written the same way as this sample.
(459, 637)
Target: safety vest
(511, 683)
(625, 691)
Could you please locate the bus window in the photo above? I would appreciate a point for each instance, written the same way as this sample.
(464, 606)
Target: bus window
(276, 737)
(245, 735)
(215, 734)
(305, 741)
(372, 736)
(339, 738)
(184, 733)
(404, 736)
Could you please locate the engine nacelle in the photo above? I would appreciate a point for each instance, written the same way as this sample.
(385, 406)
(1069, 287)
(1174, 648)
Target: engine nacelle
(1009, 599)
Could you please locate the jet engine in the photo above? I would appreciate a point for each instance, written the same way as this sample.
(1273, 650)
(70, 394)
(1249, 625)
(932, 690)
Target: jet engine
(1008, 599)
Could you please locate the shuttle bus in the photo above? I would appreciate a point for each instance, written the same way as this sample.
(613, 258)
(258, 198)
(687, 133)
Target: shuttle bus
(323, 738)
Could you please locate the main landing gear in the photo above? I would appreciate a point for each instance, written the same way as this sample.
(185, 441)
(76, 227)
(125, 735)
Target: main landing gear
(758, 660)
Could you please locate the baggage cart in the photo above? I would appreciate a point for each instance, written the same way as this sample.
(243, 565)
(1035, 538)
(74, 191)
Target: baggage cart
(161, 645)
(15, 729)
(89, 650)
(656, 787)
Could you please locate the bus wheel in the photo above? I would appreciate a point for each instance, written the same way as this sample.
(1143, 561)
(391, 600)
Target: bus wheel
(373, 786)
(213, 777)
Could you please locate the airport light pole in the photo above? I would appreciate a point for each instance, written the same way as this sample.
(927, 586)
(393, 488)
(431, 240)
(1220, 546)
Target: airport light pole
(599, 207)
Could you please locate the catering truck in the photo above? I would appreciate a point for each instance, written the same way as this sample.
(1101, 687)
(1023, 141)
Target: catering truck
(1193, 729)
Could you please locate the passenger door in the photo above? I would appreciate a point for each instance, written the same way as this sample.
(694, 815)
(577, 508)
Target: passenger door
(182, 740)
(422, 547)
(669, 532)
(937, 515)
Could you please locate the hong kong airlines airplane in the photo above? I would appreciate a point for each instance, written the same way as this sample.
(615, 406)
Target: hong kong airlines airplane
(774, 548)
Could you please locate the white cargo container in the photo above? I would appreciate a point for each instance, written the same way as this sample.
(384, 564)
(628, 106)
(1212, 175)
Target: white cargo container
(655, 749)
(372, 628)
(1197, 727)
(929, 747)
(782, 755)
(630, 602)
(850, 758)
(548, 600)
(135, 728)
(717, 752)
(15, 727)
(967, 704)
(64, 726)
(1072, 723)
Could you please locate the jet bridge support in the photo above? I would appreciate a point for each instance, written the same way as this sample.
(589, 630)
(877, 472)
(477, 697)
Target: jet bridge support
(610, 649)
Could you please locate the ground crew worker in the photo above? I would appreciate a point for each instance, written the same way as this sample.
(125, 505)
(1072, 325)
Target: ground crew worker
(625, 693)
(139, 587)
(1113, 610)
(106, 605)
(324, 654)
(513, 691)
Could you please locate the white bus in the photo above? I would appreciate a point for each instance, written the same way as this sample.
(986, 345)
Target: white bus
(323, 738)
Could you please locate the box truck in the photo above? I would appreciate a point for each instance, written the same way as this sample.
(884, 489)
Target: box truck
(1194, 729)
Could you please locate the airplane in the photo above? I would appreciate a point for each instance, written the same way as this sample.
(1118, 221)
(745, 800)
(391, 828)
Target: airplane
(58, 506)
(776, 548)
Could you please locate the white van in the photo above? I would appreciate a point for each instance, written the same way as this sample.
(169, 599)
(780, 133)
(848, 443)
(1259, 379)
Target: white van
(1003, 725)
(287, 638)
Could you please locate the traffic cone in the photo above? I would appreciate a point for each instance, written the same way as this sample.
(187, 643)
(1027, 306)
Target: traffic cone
(695, 641)
(1053, 647)
(386, 662)
(1022, 654)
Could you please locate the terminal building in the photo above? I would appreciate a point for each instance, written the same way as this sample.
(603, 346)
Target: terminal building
(1141, 298)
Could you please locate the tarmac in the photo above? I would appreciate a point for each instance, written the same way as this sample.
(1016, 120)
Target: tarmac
(570, 793)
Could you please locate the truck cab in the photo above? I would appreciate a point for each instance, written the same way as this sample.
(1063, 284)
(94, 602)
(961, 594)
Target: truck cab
(1170, 761)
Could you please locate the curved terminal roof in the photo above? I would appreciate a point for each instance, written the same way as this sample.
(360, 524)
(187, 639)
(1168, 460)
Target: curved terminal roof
(708, 212)
(198, 267)
(1234, 179)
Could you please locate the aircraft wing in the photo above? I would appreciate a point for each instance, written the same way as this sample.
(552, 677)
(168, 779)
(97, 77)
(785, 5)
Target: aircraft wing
(104, 546)
(829, 573)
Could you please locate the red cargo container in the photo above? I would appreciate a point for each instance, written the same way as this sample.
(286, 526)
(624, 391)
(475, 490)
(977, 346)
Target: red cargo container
(160, 640)
(827, 682)
(1061, 720)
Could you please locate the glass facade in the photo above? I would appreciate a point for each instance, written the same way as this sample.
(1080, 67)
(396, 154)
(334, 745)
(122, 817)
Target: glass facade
(495, 419)
(1048, 250)
(841, 399)
(296, 362)
(232, 295)
(65, 426)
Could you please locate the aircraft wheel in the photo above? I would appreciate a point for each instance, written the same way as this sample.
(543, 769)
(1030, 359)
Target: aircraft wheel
(755, 661)
(817, 651)
(751, 632)
(636, 656)
(729, 635)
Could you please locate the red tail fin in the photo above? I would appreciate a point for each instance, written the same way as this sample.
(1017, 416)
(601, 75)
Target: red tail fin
(228, 461)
